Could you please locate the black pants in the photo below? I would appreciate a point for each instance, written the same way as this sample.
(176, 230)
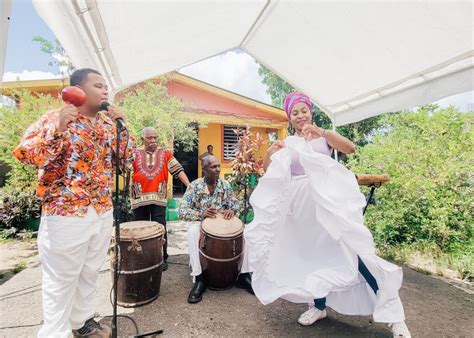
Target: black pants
(155, 213)
(320, 303)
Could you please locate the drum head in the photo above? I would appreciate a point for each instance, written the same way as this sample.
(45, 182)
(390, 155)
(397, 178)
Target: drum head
(221, 227)
(139, 230)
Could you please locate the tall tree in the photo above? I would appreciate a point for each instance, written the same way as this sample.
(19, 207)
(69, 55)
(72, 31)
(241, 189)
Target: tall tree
(57, 52)
(150, 105)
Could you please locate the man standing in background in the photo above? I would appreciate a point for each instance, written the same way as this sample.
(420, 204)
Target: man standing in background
(209, 151)
(150, 182)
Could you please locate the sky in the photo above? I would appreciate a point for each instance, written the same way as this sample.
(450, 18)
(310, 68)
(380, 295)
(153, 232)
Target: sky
(235, 71)
(23, 54)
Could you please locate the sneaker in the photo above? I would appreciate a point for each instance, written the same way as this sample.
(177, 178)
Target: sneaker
(400, 329)
(92, 329)
(311, 316)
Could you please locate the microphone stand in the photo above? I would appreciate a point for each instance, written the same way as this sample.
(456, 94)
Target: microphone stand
(117, 217)
(117, 230)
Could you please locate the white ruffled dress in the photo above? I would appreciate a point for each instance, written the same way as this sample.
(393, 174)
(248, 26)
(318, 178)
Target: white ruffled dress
(308, 231)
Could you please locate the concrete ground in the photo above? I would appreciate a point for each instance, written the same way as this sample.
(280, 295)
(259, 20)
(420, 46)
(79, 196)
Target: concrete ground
(433, 307)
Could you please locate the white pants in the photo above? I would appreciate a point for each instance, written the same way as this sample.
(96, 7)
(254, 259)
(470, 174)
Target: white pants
(71, 251)
(193, 247)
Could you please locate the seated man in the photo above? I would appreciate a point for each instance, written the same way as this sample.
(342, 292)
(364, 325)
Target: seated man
(205, 197)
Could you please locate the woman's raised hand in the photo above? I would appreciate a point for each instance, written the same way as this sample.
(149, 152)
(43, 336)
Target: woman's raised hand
(312, 131)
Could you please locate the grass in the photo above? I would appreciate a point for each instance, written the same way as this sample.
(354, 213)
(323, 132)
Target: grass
(430, 260)
(20, 266)
(7, 240)
(7, 235)
(12, 234)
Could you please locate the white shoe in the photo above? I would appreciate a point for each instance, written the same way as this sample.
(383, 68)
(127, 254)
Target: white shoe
(400, 329)
(311, 316)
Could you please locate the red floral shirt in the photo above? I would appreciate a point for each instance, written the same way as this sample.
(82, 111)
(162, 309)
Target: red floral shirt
(76, 166)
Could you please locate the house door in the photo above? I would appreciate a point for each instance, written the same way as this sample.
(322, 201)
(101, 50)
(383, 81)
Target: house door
(189, 161)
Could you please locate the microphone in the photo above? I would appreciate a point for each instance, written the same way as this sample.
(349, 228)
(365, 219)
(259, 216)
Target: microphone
(104, 105)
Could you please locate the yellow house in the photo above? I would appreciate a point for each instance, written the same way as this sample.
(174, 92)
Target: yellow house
(224, 111)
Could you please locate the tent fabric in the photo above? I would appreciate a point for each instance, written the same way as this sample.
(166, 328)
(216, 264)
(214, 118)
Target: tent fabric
(5, 10)
(355, 59)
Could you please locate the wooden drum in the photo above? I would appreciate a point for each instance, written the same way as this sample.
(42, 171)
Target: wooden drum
(221, 246)
(141, 260)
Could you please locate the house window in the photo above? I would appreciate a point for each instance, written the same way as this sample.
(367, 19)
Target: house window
(230, 142)
(273, 136)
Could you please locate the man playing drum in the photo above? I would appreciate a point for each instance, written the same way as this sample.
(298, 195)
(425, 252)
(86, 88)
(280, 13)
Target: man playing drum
(205, 198)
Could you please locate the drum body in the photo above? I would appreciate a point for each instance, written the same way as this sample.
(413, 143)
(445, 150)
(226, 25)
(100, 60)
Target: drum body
(221, 246)
(141, 260)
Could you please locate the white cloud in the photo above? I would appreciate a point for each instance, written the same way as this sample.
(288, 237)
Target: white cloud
(26, 75)
(235, 71)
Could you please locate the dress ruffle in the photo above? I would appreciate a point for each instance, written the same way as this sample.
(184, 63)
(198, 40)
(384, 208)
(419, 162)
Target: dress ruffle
(307, 233)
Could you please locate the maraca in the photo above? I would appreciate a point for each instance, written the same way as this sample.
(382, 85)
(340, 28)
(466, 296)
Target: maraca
(73, 95)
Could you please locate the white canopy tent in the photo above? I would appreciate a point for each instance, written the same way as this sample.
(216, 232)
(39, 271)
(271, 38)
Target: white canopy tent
(355, 59)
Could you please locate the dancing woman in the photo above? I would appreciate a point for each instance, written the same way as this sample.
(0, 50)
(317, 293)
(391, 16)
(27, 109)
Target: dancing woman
(307, 242)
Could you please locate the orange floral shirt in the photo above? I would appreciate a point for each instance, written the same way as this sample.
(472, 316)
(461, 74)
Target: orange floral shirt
(76, 166)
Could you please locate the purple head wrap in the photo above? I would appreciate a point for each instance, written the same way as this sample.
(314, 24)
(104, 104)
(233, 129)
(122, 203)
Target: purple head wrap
(293, 98)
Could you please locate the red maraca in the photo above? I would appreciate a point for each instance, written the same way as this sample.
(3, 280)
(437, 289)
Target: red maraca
(74, 95)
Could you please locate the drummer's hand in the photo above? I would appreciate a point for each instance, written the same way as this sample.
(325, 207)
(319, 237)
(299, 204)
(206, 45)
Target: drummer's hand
(228, 214)
(210, 212)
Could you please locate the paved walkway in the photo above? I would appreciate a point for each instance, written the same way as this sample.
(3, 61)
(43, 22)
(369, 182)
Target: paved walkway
(433, 307)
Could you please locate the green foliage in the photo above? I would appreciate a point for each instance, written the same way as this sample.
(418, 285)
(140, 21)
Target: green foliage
(16, 208)
(13, 123)
(151, 106)
(57, 52)
(20, 266)
(246, 169)
(277, 88)
(18, 203)
(429, 201)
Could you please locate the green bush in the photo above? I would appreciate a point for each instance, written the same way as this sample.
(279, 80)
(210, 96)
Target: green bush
(429, 201)
(13, 123)
(17, 208)
(18, 203)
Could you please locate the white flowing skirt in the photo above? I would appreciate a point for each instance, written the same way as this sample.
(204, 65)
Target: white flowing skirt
(306, 235)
